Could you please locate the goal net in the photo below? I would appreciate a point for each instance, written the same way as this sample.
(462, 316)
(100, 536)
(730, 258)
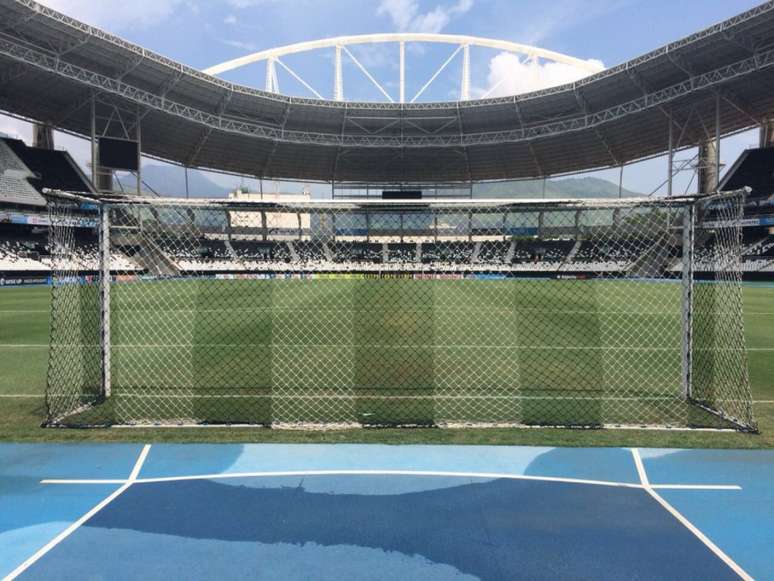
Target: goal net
(480, 313)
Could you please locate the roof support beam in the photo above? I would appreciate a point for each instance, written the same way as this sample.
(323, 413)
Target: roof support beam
(740, 105)
(614, 158)
(437, 72)
(40, 59)
(368, 75)
(206, 132)
(12, 72)
(16, 22)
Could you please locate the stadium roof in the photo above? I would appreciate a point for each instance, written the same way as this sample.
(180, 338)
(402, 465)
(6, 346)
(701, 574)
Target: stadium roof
(51, 65)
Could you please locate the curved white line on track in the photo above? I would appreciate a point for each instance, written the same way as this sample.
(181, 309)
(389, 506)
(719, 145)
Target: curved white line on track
(421, 473)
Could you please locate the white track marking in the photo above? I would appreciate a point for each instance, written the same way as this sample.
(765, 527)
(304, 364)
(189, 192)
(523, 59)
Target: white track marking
(85, 481)
(303, 473)
(21, 395)
(696, 487)
(431, 473)
(77, 524)
(23, 345)
(140, 461)
(650, 489)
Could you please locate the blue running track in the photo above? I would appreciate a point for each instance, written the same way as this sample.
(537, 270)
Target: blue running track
(383, 512)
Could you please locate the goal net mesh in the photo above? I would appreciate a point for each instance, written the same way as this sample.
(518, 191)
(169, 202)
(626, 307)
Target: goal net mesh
(574, 313)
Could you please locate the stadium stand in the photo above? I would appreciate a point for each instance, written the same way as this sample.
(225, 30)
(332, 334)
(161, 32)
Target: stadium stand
(50, 168)
(15, 187)
(410, 246)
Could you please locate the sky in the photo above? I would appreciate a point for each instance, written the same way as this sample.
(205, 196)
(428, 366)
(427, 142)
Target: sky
(202, 33)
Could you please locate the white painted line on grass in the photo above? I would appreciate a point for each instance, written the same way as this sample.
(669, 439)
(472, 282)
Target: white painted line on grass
(77, 524)
(21, 395)
(684, 521)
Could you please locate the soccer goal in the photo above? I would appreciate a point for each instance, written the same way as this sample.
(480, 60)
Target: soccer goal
(417, 313)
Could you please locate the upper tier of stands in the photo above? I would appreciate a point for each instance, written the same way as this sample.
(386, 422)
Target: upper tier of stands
(52, 168)
(15, 187)
(26, 171)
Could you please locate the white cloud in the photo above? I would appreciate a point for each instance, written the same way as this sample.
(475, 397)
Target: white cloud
(230, 19)
(510, 75)
(406, 17)
(248, 3)
(246, 46)
(116, 14)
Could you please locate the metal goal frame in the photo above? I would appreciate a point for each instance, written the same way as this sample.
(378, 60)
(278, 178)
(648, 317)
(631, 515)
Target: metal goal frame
(575, 296)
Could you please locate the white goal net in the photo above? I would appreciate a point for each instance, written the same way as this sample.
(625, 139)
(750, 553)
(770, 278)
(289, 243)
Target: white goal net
(559, 313)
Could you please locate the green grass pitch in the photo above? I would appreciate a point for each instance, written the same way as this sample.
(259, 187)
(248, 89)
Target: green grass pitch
(384, 351)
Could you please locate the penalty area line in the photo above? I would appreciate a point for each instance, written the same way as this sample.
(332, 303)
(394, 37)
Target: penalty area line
(77, 524)
(650, 489)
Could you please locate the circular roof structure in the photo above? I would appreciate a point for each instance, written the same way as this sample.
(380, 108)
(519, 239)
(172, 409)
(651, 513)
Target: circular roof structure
(53, 68)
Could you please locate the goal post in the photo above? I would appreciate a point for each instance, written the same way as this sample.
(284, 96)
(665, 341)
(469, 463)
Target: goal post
(373, 313)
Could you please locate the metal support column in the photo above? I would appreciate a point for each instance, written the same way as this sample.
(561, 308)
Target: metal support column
(402, 80)
(465, 83)
(94, 141)
(338, 82)
(689, 219)
(104, 287)
(620, 181)
(138, 135)
(717, 141)
(670, 157)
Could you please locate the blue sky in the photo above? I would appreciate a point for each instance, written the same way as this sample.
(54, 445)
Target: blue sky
(202, 33)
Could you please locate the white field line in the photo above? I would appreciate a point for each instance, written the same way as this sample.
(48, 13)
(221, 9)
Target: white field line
(340, 347)
(345, 396)
(430, 473)
(650, 489)
(353, 396)
(77, 524)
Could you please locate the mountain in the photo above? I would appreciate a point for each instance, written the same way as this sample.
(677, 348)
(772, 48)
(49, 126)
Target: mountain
(168, 180)
(581, 187)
